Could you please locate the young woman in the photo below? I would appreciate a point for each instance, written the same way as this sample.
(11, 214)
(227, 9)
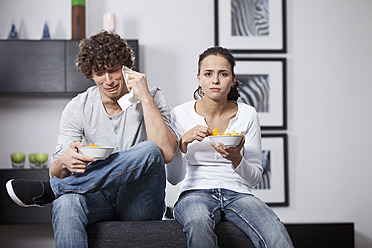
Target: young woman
(217, 180)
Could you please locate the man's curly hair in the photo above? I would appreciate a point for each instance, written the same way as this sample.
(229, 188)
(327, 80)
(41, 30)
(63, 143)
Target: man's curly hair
(102, 51)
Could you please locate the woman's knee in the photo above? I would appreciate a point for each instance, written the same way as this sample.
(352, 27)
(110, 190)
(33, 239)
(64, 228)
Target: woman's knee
(195, 213)
(198, 226)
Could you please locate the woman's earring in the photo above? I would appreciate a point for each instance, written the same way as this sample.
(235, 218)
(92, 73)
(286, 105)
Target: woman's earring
(201, 93)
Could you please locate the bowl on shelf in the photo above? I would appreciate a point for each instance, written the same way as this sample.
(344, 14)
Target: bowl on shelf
(40, 160)
(18, 160)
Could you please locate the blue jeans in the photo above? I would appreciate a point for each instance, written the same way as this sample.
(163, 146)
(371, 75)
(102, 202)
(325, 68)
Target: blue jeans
(129, 185)
(199, 211)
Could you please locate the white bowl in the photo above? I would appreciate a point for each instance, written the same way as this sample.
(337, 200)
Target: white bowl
(100, 153)
(227, 140)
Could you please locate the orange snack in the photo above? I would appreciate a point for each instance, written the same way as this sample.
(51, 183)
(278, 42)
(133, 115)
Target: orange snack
(93, 145)
(215, 132)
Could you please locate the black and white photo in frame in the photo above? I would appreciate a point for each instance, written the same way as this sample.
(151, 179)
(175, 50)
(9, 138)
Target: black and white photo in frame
(273, 188)
(251, 26)
(264, 87)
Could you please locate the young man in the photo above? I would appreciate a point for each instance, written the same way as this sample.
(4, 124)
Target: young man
(130, 183)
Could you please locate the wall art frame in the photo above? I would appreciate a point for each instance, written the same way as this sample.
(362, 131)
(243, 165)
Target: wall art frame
(264, 86)
(243, 26)
(273, 188)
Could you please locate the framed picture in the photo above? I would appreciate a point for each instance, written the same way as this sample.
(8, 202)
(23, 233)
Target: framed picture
(251, 26)
(273, 188)
(264, 87)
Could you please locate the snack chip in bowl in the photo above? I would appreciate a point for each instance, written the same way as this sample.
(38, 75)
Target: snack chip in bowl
(215, 132)
(228, 139)
(93, 145)
(98, 152)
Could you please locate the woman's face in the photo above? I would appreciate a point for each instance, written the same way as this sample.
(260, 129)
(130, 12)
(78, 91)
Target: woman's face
(215, 77)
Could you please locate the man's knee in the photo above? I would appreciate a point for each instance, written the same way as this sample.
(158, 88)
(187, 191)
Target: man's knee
(151, 151)
(150, 148)
(69, 220)
(69, 205)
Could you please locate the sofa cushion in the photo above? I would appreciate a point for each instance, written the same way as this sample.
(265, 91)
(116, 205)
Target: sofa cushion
(165, 233)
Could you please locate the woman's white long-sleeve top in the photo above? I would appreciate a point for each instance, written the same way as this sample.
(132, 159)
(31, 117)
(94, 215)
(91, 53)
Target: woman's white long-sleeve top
(204, 168)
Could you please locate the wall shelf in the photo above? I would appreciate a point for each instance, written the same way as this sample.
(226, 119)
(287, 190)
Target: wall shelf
(43, 67)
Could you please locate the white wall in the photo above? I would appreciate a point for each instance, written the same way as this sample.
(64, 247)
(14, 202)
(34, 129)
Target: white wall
(329, 80)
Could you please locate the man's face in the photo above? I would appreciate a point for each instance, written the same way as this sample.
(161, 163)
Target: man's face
(110, 82)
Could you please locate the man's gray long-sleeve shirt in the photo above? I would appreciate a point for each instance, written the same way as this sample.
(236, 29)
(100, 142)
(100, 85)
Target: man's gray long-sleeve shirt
(85, 119)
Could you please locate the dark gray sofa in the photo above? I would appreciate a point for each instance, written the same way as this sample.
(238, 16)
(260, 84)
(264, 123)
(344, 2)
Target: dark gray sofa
(168, 233)
(164, 234)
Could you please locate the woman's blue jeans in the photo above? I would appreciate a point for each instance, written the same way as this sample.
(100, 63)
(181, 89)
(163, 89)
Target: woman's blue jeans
(129, 185)
(199, 211)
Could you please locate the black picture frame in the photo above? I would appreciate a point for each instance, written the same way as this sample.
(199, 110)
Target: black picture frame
(273, 188)
(241, 34)
(264, 86)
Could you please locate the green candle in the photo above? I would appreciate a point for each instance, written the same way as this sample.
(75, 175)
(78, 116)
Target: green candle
(77, 2)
